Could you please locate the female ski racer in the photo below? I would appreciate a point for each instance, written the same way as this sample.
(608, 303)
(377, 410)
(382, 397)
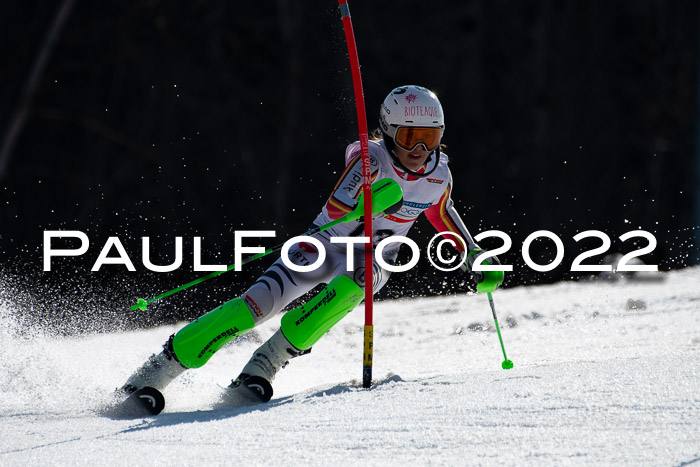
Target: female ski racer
(411, 124)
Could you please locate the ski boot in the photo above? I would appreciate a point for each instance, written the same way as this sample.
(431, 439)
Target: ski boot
(254, 382)
(141, 394)
(300, 329)
(157, 372)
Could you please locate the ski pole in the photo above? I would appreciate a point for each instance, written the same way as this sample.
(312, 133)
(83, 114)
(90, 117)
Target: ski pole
(507, 364)
(386, 194)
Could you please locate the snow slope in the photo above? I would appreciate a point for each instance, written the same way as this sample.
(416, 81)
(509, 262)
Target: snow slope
(605, 373)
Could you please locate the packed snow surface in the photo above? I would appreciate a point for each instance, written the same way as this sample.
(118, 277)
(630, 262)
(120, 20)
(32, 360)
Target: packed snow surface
(605, 372)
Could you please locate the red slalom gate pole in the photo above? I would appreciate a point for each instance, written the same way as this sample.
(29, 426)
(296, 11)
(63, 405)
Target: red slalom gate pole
(366, 187)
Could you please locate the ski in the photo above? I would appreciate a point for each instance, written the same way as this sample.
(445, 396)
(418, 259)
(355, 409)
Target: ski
(255, 388)
(142, 403)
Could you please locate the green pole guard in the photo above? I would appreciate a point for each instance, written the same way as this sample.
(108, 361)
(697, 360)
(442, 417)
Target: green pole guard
(492, 279)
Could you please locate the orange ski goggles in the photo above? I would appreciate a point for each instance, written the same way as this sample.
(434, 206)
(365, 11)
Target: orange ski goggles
(408, 137)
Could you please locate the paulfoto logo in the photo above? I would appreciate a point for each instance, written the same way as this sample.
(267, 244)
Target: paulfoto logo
(446, 259)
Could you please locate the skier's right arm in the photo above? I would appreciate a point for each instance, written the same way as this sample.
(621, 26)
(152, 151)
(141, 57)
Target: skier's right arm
(343, 198)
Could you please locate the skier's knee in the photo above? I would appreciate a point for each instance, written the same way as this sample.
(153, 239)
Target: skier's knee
(380, 276)
(305, 325)
(261, 302)
(195, 344)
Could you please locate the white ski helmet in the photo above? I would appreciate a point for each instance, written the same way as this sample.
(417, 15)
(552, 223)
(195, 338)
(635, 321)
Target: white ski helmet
(411, 106)
(411, 116)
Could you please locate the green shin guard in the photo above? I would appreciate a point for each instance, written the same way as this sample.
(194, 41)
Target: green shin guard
(305, 325)
(195, 344)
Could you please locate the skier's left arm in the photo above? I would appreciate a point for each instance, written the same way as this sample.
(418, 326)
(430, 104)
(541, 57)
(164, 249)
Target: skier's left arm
(444, 217)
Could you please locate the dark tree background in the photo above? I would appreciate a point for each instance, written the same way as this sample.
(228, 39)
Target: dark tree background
(162, 118)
